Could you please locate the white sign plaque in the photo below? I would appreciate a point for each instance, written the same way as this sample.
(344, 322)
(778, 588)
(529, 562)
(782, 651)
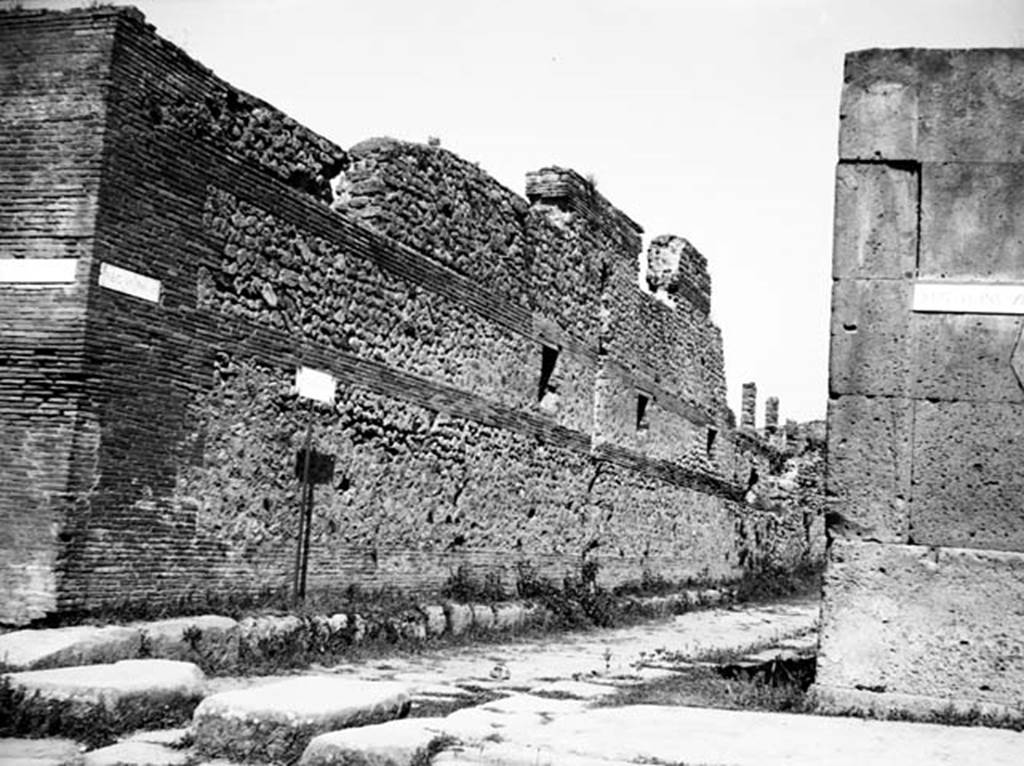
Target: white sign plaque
(129, 282)
(969, 297)
(37, 271)
(315, 384)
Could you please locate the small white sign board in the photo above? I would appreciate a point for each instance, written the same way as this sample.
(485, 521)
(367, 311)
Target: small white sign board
(315, 384)
(37, 271)
(129, 282)
(969, 297)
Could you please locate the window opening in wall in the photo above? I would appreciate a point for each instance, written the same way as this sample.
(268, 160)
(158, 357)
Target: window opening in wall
(752, 479)
(548, 359)
(642, 400)
(712, 435)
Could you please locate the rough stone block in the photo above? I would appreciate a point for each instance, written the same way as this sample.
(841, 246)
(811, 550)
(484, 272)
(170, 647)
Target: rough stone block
(483, 617)
(876, 221)
(943, 626)
(971, 105)
(435, 619)
(869, 466)
(140, 692)
(933, 105)
(968, 486)
(972, 221)
(63, 647)
(277, 721)
(263, 638)
(210, 641)
(879, 107)
(870, 349)
(965, 357)
(459, 617)
(509, 617)
(386, 744)
(411, 626)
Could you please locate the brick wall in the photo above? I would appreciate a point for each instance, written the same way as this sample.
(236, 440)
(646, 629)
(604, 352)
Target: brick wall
(53, 81)
(490, 352)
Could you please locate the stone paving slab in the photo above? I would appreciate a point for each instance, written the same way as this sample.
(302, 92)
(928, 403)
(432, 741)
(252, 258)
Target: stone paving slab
(387, 744)
(40, 752)
(133, 683)
(62, 647)
(276, 721)
(596, 656)
(136, 754)
(653, 734)
(512, 754)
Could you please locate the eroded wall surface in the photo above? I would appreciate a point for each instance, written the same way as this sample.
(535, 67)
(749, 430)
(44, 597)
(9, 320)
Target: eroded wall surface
(923, 602)
(506, 397)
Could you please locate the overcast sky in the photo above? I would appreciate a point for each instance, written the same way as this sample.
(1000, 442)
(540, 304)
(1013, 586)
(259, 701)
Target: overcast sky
(716, 121)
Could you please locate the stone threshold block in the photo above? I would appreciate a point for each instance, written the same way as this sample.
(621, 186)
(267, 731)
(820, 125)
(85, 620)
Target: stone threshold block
(130, 694)
(64, 647)
(275, 722)
(919, 629)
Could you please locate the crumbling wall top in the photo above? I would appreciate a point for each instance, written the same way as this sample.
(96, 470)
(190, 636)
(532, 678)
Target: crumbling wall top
(676, 269)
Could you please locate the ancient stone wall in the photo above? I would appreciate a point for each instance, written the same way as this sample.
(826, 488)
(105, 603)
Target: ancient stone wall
(505, 396)
(53, 113)
(924, 581)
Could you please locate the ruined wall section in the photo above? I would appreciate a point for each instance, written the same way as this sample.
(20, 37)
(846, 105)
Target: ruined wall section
(449, 209)
(452, 444)
(52, 108)
(570, 257)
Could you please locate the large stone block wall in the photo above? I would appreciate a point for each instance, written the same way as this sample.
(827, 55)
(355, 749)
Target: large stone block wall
(486, 408)
(923, 589)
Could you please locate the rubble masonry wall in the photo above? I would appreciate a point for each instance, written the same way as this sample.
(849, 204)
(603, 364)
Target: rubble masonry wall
(427, 290)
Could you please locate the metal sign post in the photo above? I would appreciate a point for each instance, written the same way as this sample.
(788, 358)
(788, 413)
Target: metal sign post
(302, 538)
(310, 467)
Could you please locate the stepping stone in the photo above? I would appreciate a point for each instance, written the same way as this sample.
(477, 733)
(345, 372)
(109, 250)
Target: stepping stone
(209, 640)
(131, 693)
(387, 744)
(39, 752)
(275, 722)
(136, 754)
(169, 737)
(64, 647)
